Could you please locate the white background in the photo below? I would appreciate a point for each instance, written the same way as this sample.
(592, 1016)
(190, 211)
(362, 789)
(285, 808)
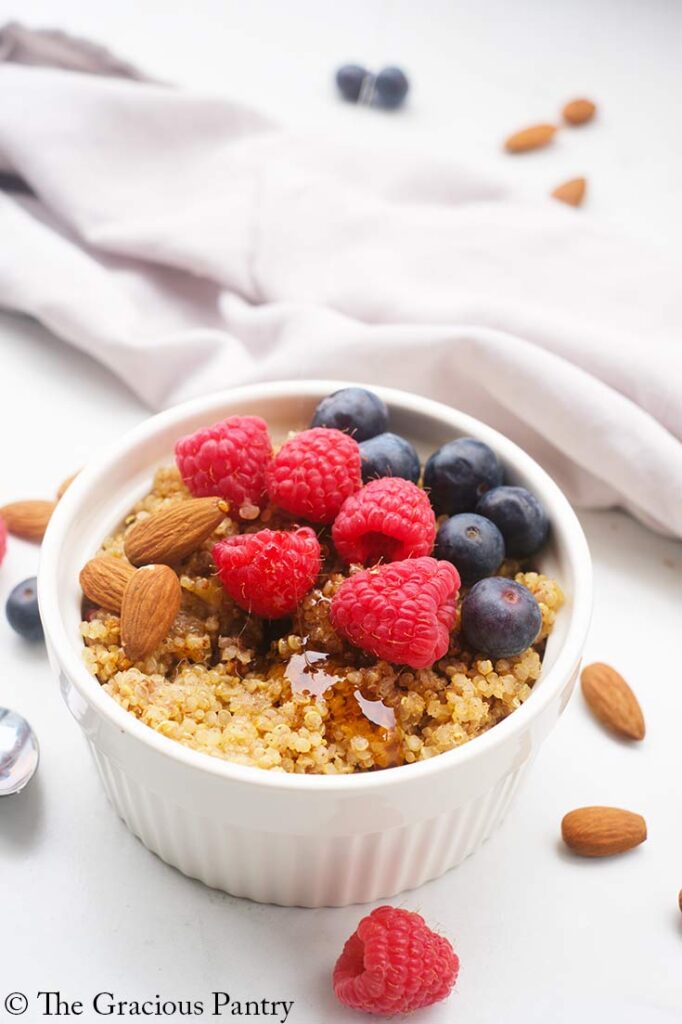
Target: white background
(542, 936)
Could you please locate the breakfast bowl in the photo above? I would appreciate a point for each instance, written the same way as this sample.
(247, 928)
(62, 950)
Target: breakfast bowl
(301, 839)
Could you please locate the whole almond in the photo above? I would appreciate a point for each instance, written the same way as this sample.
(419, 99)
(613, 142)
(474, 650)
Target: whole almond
(571, 191)
(65, 484)
(151, 601)
(612, 701)
(27, 519)
(173, 533)
(103, 581)
(579, 111)
(679, 900)
(602, 831)
(530, 138)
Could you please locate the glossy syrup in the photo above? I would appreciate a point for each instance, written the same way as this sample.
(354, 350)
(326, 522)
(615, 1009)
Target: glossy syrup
(316, 673)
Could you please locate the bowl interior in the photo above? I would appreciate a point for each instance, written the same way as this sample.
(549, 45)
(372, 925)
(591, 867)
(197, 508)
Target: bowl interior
(105, 491)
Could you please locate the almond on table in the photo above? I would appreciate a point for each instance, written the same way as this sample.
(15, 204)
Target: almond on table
(534, 137)
(571, 192)
(65, 484)
(612, 701)
(602, 831)
(579, 111)
(27, 519)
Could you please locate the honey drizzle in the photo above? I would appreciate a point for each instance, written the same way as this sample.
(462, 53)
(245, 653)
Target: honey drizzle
(304, 676)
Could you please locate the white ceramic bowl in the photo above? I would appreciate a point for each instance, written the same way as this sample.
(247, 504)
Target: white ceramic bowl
(289, 839)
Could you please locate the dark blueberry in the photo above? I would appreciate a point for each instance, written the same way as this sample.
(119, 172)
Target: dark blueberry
(391, 87)
(349, 79)
(354, 410)
(22, 610)
(473, 544)
(389, 455)
(519, 517)
(460, 473)
(500, 618)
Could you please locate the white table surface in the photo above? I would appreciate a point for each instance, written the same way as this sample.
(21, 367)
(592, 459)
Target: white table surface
(542, 936)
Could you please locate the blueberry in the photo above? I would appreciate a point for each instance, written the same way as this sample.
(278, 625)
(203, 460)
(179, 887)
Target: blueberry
(500, 618)
(389, 455)
(391, 87)
(473, 544)
(519, 517)
(22, 610)
(349, 79)
(354, 410)
(459, 473)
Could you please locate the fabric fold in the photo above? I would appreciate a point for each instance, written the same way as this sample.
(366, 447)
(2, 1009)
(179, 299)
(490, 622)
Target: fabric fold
(190, 244)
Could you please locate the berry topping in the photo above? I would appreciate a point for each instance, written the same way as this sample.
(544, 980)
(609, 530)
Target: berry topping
(270, 572)
(388, 520)
(313, 473)
(356, 411)
(227, 460)
(350, 79)
(22, 610)
(390, 87)
(500, 617)
(389, 455)
(393, 963)
(402, 612)
(519, 517)
(473, 544)
(3, 539)
(459, 473)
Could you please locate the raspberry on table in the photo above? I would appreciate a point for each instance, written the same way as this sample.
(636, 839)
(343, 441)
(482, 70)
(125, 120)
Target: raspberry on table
(403, 611)
(394, 963)
(388, 520)
(3, 539)
(227, 460)
(313, 473)
(269, 573)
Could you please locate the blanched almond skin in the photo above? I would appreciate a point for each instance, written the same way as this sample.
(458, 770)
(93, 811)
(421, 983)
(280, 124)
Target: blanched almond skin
(612, 701)
(27, 519)
(103, 581)
(535, 137)
(571, 192)
(151, 601)
(170, 535)
(602, 831)
(579, 111)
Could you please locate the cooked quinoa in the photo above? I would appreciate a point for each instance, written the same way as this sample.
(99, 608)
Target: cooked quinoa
(300, 699)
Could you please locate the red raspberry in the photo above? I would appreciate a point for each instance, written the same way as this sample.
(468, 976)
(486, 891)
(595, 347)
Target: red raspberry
(314, 472)
(3, 539)
(227, 460)
(394, 963)
(402, 612)
(388, 520)
(269, 573)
